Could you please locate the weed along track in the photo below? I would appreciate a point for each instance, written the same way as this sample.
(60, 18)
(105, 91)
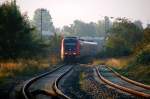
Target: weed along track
(45, 85)
(115, 80)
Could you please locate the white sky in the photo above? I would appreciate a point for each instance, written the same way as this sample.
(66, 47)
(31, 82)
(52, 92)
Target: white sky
(64, 12)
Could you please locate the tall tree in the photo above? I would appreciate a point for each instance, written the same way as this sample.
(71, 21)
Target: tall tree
(138, 23)
(127, 30)
(107, 24)
(80, 28)
(15, 32)
(124, 37)
(67, 30)
(100, 28)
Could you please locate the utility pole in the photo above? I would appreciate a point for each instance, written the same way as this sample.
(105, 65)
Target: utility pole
(15, 2)
(107, 23)
(41, 24)
(105, 18)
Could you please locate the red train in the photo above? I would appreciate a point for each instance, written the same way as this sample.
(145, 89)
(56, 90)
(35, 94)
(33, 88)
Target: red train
(70, 48)
(73, 47)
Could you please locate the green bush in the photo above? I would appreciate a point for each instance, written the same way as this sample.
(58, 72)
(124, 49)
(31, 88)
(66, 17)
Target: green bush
(116, 46)
(15, 32)
(143, 57)
(123, 37)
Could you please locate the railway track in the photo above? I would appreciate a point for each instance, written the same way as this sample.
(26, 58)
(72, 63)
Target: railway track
(46, 84)
(117, 81)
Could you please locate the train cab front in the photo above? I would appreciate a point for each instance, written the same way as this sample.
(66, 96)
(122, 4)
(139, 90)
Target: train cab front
(70, 49)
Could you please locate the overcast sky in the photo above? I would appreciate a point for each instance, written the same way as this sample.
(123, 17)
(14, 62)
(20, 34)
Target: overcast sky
(64, 12)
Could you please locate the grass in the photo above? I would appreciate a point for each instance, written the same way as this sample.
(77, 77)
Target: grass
(20, 69)
(14, 72)
(114, 62)
(138, 72)
(25, 67)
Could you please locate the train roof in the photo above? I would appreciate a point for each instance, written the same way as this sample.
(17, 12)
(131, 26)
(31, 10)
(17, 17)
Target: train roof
(88, 42)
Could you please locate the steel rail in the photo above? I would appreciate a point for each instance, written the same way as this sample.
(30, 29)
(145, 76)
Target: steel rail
(128, 90)
(58, 91)
(129, 80)
(27, 84)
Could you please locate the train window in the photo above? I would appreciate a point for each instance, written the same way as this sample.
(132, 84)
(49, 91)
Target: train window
(70, 41)
(70, 44)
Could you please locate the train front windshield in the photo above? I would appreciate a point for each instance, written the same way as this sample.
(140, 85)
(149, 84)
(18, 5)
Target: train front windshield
(70, 44)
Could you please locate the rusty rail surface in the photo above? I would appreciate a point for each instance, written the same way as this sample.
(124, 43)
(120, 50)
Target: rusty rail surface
(129, 80)
(123, 88)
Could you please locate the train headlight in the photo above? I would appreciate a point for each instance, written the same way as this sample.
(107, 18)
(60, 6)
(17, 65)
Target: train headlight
(74, 53)
(66, 53)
